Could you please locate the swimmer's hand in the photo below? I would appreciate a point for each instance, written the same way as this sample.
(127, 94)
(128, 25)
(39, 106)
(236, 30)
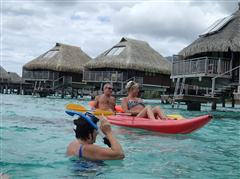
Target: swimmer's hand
(106, 141)
(106, 129)
(105, 126)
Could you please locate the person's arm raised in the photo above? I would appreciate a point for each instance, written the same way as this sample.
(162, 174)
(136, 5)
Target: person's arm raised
(95, 152)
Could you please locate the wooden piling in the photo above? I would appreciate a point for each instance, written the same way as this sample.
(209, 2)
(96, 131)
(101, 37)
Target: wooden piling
(233, 100)
(223, 101)
(214, 106)
(193, 106)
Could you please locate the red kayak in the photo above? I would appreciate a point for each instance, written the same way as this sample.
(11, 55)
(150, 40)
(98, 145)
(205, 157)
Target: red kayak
(183, 126)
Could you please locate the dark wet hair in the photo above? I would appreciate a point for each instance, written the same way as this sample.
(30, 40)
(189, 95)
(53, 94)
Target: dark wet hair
(83, 128)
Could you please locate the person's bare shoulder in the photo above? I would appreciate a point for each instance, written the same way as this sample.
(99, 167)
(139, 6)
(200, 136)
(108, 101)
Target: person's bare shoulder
(113, 98)
(97, 98)
(70, 149)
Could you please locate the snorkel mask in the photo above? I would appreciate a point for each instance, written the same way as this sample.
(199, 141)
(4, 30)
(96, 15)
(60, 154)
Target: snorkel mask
(88, 117)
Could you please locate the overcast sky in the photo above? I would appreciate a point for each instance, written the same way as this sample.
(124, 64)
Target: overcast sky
(31, 27)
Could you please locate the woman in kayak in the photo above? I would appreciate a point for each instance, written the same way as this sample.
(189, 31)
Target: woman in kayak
(86, 133)
(134, 105)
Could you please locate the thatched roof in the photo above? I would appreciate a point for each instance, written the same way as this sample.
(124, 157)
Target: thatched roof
(227, 37)
(62, 57)
(4, 74)
(15, 78)
(135, 55)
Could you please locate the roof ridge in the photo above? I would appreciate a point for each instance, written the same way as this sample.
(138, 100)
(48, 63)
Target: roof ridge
(58, 44)
(127, 39)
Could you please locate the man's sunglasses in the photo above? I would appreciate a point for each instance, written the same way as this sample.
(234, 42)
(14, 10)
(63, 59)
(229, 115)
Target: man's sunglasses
(109, 88)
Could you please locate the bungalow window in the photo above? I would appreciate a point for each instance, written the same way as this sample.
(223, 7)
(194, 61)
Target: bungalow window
(115, 51)
(50, 54)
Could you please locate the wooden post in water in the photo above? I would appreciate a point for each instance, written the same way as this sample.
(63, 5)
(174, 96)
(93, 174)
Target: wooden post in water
(214, 105)
(1, 89)
(193, 106)
(20, 89)
(62, 95)
(23, 91)
(10, 90)
(223, 101)
(233, 101)
(72, 95)
(6, 89)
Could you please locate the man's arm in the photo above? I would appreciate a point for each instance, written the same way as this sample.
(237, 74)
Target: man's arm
(114, 102)
(95, 104)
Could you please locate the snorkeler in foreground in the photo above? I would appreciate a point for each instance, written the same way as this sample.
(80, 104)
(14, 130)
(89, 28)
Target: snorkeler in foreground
(86, 133)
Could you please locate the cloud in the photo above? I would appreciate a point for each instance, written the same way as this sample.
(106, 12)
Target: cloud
(178, 20)
(31, 28)
(227, 6)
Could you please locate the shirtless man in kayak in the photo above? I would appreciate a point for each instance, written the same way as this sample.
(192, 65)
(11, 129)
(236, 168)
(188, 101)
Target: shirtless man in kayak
(105, 101)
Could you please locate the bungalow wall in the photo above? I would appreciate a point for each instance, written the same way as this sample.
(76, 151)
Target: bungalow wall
(51, 79)
(236, 62)
(148, 78)
(50, 75)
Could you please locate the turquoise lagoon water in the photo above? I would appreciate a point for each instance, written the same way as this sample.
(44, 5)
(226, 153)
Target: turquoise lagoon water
(36, 131)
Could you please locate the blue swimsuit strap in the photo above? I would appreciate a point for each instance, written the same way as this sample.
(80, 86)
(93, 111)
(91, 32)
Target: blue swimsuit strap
(80, 151)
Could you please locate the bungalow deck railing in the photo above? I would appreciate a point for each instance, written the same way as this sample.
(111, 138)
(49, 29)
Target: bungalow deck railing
(39, 75)
(202, 66)
(111, 77)
(102, 76)
(138, 80)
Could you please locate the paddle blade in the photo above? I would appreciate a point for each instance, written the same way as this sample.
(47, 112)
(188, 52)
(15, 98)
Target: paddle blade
(99, 112)
(175, 116)
(76, 107)
(80, 108)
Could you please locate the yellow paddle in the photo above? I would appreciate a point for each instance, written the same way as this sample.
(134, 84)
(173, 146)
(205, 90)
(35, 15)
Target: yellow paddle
(98, 112)
(175, 116)
(80, 108)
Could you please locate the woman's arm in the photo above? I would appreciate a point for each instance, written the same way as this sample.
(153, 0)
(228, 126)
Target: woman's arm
(124, 105)
(95, 152)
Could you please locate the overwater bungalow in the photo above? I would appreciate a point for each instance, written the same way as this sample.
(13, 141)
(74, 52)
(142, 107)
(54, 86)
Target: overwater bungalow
(208, 69)
(4, 77)
(130, 59)
(57, 70)
(11, 82)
